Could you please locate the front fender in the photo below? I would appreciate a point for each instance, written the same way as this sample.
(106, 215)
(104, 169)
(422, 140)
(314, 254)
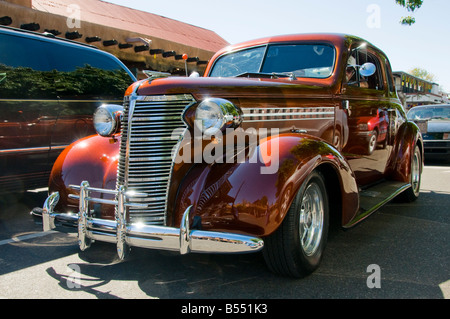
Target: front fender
(94, 159)
(239, 197)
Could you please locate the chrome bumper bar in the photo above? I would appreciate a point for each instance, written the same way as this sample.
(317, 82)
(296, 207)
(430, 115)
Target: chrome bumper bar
(127, 235)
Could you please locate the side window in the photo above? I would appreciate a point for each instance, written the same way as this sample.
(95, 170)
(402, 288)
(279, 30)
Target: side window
(354, 78)
(25, 68)
(87, 73)
(49, 69)
(390, 77)
(22, 52)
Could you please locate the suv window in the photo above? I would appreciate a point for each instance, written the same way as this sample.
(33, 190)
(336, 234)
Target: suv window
(49, 70)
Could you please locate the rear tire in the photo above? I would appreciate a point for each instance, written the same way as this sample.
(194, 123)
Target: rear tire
(297, 246)
(412, 193)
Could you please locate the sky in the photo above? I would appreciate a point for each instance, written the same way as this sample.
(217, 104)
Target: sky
(425, 44)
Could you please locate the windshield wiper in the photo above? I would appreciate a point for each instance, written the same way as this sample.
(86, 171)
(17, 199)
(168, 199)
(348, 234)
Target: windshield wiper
(273, 75)
(290, 75)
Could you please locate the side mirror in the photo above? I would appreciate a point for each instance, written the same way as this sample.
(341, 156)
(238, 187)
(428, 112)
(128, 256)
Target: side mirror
(367, 69)
(194, 75)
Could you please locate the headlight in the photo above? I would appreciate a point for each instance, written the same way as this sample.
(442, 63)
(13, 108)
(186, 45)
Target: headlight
(363, 127)
(213, 115)
(107, 119)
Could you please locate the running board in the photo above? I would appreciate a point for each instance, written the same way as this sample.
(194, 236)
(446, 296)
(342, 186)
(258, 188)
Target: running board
(373, 198)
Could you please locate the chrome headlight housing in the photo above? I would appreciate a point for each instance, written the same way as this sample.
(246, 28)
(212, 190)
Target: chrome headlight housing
(213, 115)
(107, 119)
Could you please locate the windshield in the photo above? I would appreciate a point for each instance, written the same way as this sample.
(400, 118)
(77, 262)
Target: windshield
(430, 113)
(299, 60)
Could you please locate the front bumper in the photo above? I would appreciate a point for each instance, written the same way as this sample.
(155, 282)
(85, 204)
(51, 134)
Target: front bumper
(437, 149)
(126, 235)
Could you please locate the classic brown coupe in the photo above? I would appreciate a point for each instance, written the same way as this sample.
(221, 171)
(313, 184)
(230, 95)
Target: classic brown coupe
(256, 155)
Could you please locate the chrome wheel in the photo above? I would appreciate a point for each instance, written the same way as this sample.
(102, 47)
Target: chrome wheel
(412, 193)
(416, 172)
(311, 219)
(296, 247)
(372, 142)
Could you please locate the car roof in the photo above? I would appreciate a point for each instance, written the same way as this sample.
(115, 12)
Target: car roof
(337, 39)
(429, 106)
(46, 36)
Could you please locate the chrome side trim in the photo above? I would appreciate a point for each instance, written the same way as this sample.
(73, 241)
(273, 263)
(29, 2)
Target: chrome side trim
(125, 235)
(33, 149)
(283, 114)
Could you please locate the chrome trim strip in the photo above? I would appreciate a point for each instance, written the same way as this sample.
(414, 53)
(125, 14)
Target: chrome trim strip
(287, 114)
(59, 101)
(25, 150)
(293, 119)
(32, 149)
(283, 114)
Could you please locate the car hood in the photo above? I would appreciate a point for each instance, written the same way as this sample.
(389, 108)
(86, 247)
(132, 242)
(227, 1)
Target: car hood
(204, 87)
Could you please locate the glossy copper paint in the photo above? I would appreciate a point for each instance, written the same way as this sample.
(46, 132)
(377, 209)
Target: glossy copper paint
(94, 159)
(236, 196)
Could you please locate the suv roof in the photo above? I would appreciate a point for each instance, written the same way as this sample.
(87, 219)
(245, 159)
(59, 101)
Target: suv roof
(48, 37)
(44, 37)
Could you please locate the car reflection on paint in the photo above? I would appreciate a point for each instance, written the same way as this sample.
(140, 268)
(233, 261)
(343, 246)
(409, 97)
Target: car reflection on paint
(370, 126)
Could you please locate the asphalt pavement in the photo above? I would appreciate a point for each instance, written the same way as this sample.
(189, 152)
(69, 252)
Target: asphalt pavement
(400, 252)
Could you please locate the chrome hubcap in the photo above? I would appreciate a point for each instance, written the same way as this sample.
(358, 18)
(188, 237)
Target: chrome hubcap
(311, 219)
(415, 173)
(372, 142)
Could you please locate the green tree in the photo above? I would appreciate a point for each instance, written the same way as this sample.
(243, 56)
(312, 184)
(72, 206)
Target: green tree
(422, 74)
(411, 6)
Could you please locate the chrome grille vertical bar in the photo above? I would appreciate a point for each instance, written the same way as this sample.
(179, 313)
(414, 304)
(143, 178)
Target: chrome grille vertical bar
(122, 246)
(83, 241)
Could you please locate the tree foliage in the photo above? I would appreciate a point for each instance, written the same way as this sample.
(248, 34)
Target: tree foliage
(422, 74)
(411, 6)
(87, 81)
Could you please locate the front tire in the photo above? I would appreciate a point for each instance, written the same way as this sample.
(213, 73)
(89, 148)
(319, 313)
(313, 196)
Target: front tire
(372, 142)
(296, 248)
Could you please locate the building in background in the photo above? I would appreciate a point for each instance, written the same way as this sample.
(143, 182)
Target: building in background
(142, 40)
(414, 91)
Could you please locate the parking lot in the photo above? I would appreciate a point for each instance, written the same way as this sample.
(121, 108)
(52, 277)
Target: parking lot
(402, 251)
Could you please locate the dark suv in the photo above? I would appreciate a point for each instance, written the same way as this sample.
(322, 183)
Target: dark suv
(49, 89)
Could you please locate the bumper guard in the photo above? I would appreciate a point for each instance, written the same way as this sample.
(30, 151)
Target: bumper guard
(126, 235)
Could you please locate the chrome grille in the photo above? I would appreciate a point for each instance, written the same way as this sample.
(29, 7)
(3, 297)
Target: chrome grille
(145, 162)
